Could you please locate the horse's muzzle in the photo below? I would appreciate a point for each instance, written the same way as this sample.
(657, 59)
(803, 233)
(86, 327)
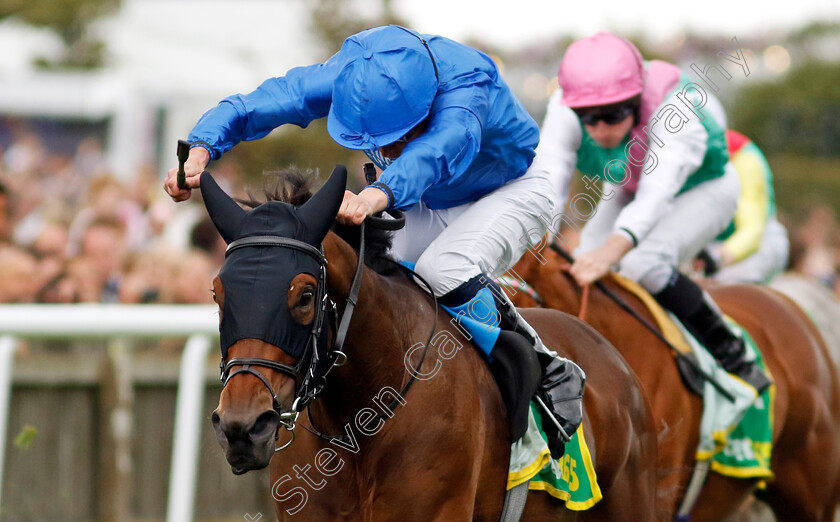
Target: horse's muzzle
(248, 444)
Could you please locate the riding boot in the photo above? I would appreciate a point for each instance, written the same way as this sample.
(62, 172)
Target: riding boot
(517, 354)
(562, 383)
(510, 356)
(704, 320)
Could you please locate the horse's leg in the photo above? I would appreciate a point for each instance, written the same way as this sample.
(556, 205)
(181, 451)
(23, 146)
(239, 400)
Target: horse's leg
(722, 495)
(631, 495)
(419, 484)
(801, 491)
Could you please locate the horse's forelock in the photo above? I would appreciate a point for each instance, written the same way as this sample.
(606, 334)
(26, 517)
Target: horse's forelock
(294, 186)
(290, 185)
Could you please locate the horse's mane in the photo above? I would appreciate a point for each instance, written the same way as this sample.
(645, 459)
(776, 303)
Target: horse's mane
(293, 186)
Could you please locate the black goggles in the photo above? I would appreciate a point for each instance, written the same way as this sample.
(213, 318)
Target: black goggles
(610, 114)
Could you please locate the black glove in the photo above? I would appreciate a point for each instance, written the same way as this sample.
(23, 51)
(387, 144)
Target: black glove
(711, 264)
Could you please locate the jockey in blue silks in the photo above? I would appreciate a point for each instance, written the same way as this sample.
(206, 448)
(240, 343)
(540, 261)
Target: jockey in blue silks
(454, 146)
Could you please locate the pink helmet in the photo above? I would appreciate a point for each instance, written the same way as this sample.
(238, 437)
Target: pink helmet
(600, 70)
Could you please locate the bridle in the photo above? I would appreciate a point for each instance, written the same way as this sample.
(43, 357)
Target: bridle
(318, 359)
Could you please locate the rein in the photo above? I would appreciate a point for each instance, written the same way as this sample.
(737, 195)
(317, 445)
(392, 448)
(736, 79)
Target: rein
(688, 361)
(414, 372)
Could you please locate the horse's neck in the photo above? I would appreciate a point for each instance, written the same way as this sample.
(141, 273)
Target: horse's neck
(560, 291)
(375, 340)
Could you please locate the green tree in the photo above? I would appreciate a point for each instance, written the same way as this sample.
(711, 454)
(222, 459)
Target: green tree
(799, 114)
(70, 19)
(334, 20)
(796, 122)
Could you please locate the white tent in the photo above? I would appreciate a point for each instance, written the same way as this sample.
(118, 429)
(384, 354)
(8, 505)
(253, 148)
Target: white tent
(170, 58)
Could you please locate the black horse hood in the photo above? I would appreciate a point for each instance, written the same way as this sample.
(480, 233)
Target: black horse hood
(257, 278)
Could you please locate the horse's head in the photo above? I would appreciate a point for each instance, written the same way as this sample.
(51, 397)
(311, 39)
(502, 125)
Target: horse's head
(273, 309)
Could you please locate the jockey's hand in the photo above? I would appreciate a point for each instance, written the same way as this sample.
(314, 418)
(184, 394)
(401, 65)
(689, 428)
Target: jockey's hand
(355, 208)
(707, 262)
(593, 265)
(726, 257)
(193, 167)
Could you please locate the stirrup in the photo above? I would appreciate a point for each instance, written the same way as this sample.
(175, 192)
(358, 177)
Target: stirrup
(750, 373)
(732, 356)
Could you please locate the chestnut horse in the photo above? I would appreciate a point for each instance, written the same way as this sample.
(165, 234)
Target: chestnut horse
(806, 431)
(405, 429)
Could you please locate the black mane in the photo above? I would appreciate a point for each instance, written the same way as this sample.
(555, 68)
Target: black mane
(292, 186)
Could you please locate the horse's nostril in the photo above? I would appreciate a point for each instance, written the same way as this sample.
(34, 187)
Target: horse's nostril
(215, 419)
(265, 426)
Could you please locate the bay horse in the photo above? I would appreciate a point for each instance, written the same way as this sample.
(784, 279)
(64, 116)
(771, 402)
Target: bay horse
(407, 429)
(806, 431)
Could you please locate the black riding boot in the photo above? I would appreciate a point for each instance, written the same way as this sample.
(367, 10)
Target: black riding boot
(516, 358)
(561, 387)
(704, 320)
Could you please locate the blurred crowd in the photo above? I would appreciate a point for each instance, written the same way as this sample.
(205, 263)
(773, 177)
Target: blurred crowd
(71, 232)
(815, 246)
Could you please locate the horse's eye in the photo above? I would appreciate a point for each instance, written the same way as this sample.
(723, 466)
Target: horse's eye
(213, 293)
(306, 298)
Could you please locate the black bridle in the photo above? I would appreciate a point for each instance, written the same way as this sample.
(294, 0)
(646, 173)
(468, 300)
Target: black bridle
(317, 360)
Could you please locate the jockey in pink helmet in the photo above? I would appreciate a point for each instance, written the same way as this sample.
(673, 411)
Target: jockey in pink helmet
(656, 141)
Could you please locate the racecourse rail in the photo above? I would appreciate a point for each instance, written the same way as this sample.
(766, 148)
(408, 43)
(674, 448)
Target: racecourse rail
(199, 323)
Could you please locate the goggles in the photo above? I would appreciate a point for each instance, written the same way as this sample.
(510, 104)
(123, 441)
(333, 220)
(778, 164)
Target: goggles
(609, 114)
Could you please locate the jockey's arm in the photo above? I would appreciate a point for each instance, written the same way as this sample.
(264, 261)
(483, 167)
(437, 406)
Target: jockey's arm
(355, 208)
(753, 209)
(681, 154)
(444, 150)
(304, 94)
(593, 265)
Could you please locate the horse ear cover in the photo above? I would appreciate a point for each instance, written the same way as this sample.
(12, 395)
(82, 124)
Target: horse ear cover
(226, 214)
(319, 212)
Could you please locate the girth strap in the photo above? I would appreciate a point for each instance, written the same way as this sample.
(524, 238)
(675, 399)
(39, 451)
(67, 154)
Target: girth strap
(515, 499)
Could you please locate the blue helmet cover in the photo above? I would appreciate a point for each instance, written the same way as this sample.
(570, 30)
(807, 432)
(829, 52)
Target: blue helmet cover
(384, 89)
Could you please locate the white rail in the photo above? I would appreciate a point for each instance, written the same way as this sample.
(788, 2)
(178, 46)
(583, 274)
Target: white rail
(198, 322)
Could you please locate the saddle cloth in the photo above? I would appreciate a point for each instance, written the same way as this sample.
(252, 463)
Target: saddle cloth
(571, 478)
(736, 436)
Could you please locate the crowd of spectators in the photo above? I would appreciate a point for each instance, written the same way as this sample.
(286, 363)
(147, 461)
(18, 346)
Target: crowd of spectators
(815, 246)
(71, 232)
